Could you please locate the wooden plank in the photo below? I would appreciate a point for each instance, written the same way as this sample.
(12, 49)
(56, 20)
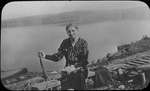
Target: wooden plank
(146, 57)
(144, 66)
(131, 64)
(138, 62)
(143, 60)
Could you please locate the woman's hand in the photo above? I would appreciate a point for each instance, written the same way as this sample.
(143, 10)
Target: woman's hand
(41, 54)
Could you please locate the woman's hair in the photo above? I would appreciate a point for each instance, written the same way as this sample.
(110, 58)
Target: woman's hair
(71, 25)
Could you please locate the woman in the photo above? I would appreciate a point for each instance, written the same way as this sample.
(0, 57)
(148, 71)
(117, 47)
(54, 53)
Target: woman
(75, 50)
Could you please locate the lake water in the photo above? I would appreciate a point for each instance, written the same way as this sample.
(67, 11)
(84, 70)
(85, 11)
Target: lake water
(19, 46)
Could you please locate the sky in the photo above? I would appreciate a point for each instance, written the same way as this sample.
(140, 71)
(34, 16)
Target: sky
(19, 45)
(25, 8)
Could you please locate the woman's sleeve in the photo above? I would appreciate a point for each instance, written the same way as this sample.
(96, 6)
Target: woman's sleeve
(59, 55)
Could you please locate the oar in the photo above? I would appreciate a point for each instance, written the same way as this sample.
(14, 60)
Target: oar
(43, 70)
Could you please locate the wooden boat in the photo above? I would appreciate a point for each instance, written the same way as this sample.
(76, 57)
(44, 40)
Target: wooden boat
(11, 76)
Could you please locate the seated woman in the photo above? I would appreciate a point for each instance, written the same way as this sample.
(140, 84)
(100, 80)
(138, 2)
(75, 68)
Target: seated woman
(75, 50)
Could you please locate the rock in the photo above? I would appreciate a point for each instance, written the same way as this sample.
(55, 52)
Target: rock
(121, 87)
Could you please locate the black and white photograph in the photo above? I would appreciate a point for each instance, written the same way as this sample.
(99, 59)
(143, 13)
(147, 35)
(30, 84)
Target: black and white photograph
(75, 45)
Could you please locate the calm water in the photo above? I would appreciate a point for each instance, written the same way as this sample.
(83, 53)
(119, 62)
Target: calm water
(19, 46)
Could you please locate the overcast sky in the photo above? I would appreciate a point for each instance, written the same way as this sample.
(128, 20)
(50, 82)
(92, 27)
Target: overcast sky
(22, 9)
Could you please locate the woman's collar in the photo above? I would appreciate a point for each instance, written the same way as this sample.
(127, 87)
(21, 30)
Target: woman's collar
(75, 41)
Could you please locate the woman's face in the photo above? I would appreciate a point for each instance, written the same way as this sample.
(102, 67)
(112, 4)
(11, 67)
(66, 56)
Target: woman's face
(72, 32)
